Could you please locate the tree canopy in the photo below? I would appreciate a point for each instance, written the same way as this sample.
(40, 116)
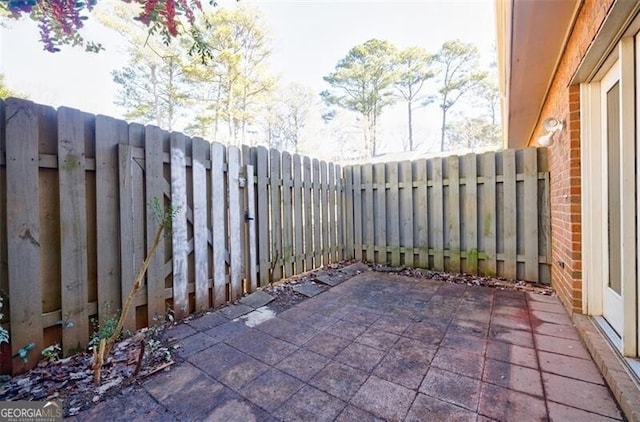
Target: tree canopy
(59, 21)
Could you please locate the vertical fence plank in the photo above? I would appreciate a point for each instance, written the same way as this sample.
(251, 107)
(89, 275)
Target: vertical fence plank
(297, 215)
(510, 228)
(357, 211)
(179, 241)
(308, 215)
(287, 215)
(530, 214)
(380, 212)
(339, 212)
(324, 187)
(421, 219)
(200, 226)
(488, 209)
(406, 212)
(128, 207)
(438, 216)
(154, 175)
(109, 133)
(317, 234)
(73, 227)
(333, 243)
(453, 165)
(471, 213)
(262, 170)
(393, 213)
(276, 215)
(348, 212)
(23, 226)
(236, 224)
(218, 224)
(251, 221)
(367, 212)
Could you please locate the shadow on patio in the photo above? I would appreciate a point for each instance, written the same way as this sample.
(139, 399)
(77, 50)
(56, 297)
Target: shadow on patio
(379, 347)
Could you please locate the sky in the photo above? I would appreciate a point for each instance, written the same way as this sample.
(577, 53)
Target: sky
(308, 39)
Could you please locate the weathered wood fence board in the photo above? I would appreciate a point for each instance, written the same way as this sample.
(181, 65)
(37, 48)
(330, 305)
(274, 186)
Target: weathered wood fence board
(480, 214)
(76, 195)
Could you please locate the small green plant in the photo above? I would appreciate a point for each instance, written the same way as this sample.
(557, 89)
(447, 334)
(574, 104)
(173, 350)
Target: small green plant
(51, 353)
(4, 334)
(105, 343)
(23, 352)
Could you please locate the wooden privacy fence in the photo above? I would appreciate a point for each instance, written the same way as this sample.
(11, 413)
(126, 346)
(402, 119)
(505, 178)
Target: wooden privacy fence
(479, 214)
(75, 222)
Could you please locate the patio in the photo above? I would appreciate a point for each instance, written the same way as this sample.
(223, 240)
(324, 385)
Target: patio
(379, 347)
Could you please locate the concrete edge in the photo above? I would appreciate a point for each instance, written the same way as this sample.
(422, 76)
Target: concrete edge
(622, 384)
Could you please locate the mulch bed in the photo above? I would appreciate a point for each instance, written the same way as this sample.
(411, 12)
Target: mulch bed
(70, 380)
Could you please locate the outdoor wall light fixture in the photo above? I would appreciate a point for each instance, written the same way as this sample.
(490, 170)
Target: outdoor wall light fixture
(552, 126)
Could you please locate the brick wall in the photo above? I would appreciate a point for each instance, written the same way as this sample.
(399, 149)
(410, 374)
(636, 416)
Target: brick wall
(563, 102)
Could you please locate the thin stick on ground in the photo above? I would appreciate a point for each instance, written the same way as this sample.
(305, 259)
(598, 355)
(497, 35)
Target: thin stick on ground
(104, 347)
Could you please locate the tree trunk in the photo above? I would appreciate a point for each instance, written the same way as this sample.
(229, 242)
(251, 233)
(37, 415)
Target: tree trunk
(443, 129)
(410, 111)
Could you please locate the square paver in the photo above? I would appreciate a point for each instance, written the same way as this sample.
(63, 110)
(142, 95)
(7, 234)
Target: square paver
(363, 316)
(377, 339)
(467, 343)
(137, 406)
(384, 399)
(413, 350)
(289, 331)
(515, 377)
(395, 324)
(453, 388)
(228, 365)
(471, 327)
(193, 344)
(207, 321)
(508, 321)
(507, 405)
(237, 408)
(345, 329)
(571, 367)
(454, 360)
(555, 330)
(555, 318)
(180, 331)
(510, 335)
(425, 332)
(308, 289)
(186, 391)
(326, 344)
(339, 380)
(226, 331)
(353, 414)
(562, 346)
(310, 404)
(402, 370)
(303, 364)
(257, 299)
(426, 408)
(590, 397)
(360, 356)
(560, 412)
(331, 280)
(235, 311)
(262, 346)
(271, 389)
(512, 353)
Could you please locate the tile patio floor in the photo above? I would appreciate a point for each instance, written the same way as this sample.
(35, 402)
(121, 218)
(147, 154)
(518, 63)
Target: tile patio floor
(380, 347)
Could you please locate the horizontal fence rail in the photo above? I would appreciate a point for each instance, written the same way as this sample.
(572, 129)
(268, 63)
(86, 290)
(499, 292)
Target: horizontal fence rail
(482, 214)
(76, 220)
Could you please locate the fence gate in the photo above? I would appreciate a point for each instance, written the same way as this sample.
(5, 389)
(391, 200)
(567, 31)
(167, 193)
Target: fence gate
(201, 263)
